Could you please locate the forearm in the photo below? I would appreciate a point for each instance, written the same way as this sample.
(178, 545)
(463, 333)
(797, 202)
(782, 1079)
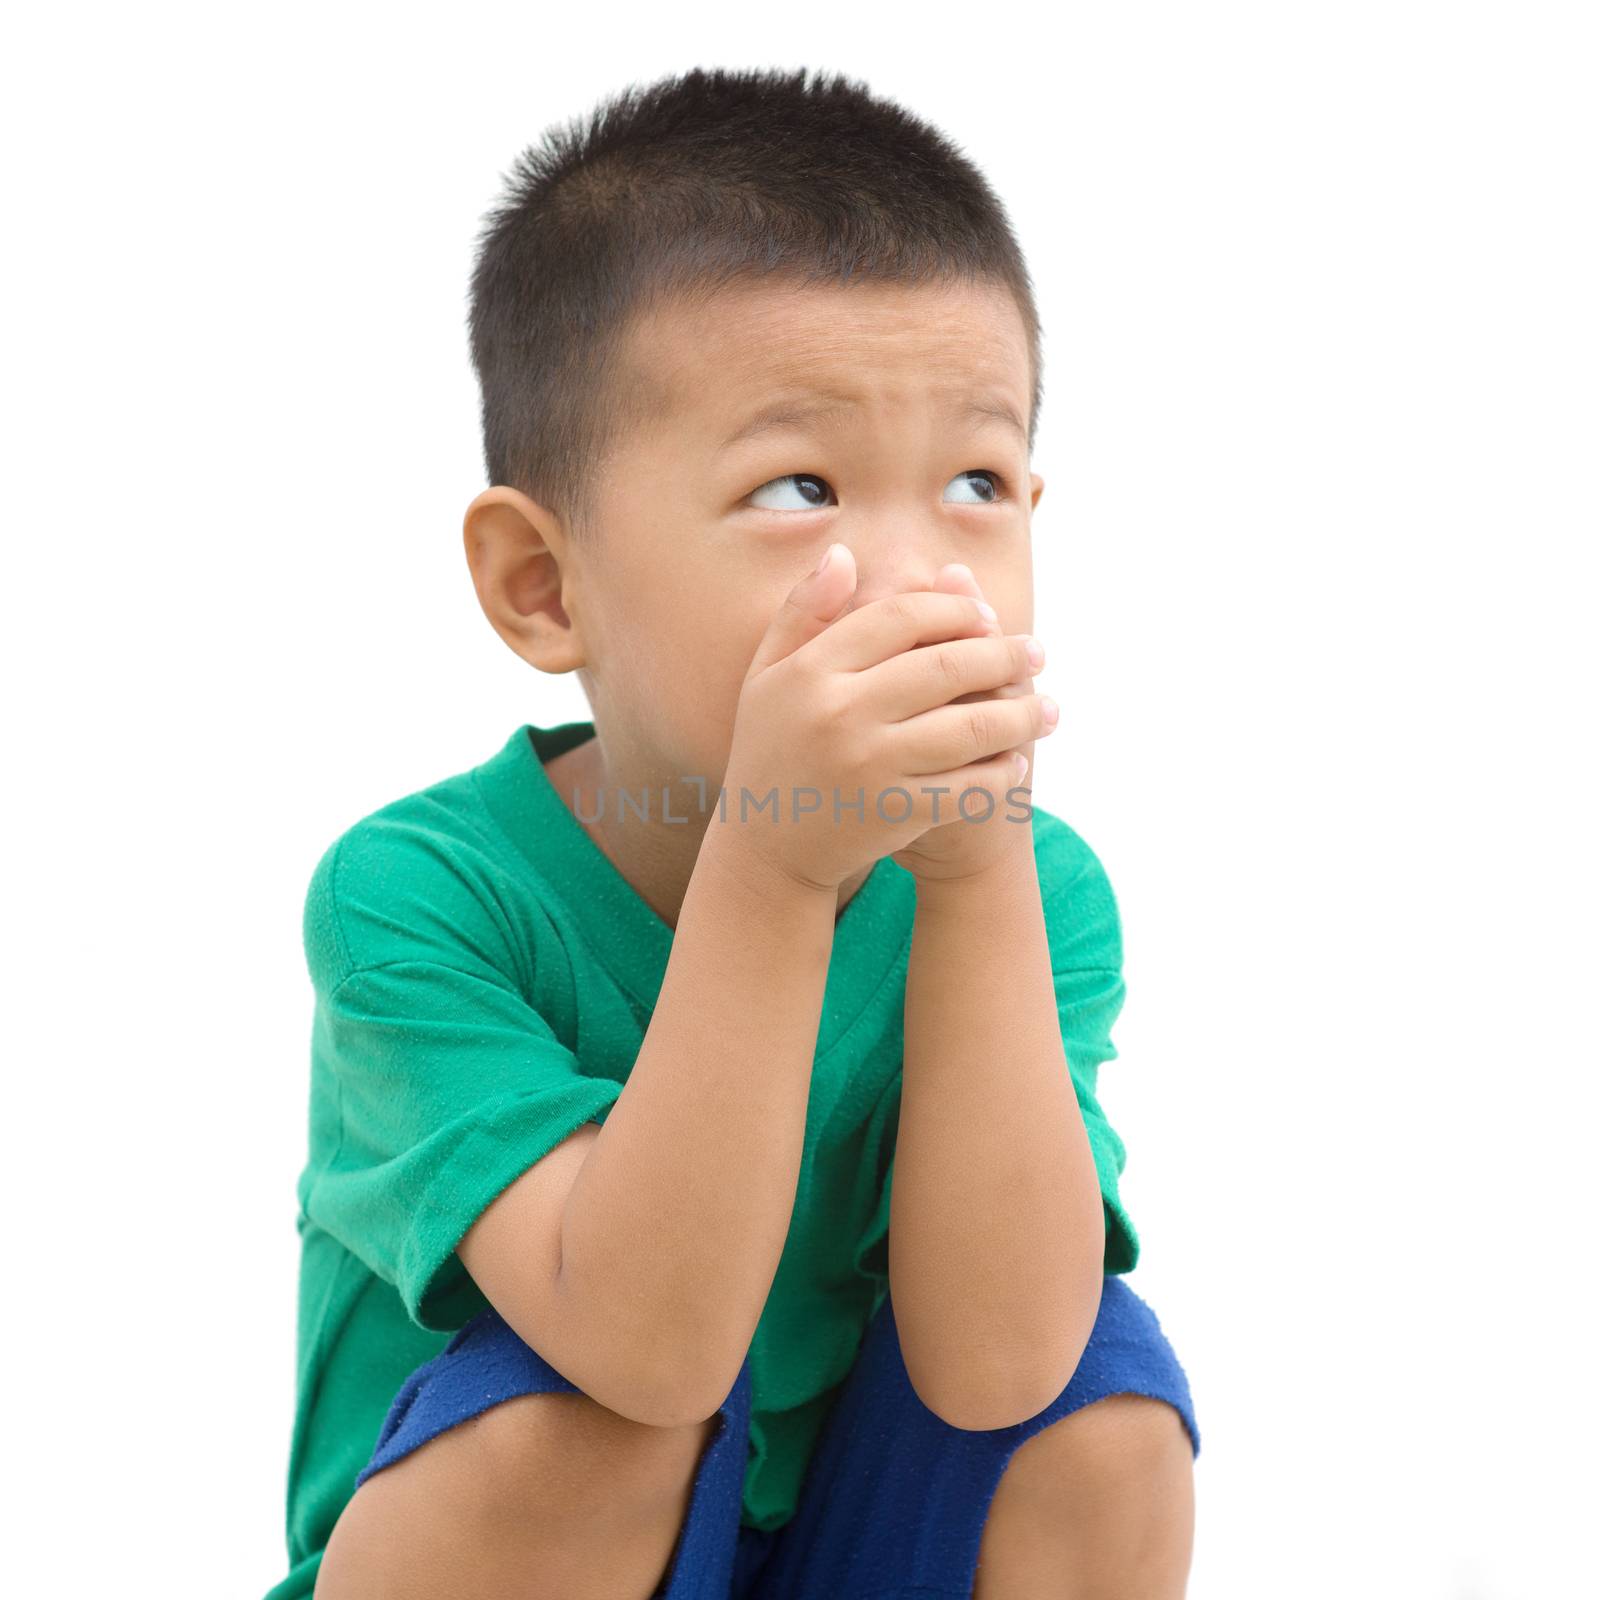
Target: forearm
(675, 1225)
(997, 1230)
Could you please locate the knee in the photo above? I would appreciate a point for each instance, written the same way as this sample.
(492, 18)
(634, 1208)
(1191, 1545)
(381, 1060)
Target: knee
(453, 1515)
(1124, 1458)
(1101, 1500)
(545, 1448)
(1131, 1441)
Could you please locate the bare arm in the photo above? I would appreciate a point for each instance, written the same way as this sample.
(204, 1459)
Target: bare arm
(638, 1260)
(997, 1229)
(637, 1255)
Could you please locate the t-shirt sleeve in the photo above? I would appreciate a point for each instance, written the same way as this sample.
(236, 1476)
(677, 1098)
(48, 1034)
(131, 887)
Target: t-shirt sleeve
(444, 1084)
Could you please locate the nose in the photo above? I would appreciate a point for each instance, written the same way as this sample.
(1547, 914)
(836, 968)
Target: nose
(877, 579)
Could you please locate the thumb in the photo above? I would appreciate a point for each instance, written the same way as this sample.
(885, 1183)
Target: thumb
(808, 608)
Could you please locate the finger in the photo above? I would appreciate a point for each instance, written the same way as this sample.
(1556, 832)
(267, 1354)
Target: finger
(953, 671)
(952, 736)
(956, 577)
(947, 794)
(898, 622)
(809, 608)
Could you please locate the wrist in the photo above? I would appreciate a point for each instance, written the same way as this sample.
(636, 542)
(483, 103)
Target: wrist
(734, 856)
(1009, 871)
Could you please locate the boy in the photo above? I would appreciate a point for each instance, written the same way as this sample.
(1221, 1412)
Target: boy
(632, 1042)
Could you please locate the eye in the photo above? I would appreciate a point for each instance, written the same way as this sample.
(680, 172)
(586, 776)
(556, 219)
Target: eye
(807, 483)
(991, 490)
(986, 486)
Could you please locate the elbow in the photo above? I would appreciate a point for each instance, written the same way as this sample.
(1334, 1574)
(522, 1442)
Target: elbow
(664, 1400)
(709, 1402)
(663, 1411)
(679, 1398)
(648, 1387)
(646, 1372)
(974, 1412)
(969, 1420)
(653, 1405)
(998, 1399)
(978, 1403)
(683, 1406)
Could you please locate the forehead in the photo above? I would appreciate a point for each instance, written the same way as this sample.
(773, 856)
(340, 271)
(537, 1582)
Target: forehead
(712, 363)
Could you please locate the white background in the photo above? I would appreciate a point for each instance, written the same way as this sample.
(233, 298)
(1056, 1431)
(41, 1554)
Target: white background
(1315, 572)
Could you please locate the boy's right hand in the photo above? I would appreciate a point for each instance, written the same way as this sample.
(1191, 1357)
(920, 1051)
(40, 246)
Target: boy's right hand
(858, 707)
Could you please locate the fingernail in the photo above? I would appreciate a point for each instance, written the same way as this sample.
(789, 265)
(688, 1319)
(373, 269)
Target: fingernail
(1051, 710)
(987, 610)
(1021, 762)
(1035, 653)
(827, 556)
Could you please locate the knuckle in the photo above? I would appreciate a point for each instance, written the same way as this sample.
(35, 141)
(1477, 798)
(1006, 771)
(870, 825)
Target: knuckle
(947, 667)
(899, 608)
(855, 753)
(827, 700)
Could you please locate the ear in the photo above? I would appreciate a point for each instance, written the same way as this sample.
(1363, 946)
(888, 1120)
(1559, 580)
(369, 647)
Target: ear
(517, 552)
(1038, 489)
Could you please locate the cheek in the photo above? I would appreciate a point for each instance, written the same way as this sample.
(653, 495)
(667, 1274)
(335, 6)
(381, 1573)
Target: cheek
(711, 654)
(706, 622)
(1011, 594)
(683, 630)
(691, 659)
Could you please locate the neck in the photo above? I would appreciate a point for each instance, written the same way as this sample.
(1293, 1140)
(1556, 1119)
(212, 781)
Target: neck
(657, 858)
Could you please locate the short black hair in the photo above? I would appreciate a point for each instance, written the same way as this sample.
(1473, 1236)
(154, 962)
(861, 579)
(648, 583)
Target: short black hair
(674, 190)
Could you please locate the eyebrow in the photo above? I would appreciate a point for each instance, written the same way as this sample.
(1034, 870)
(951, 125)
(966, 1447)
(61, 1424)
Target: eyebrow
(783, 414)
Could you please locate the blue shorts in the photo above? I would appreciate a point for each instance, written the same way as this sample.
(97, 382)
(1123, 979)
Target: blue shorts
(894, 1499)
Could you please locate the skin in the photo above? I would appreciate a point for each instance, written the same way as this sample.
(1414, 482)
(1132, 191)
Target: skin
(1098, 1506)
(700, 547)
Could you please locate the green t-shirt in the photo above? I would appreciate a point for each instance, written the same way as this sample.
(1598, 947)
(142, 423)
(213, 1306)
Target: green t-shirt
(483, 980)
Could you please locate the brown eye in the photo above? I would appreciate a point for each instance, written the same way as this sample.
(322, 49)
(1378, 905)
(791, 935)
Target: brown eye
(807, 485)
(984, 484)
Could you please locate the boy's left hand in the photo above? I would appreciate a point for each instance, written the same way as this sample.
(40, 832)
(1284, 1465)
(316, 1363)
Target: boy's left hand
(962, 849)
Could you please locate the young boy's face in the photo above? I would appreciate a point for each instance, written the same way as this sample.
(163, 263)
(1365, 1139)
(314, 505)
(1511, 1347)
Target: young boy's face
(704, 533)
